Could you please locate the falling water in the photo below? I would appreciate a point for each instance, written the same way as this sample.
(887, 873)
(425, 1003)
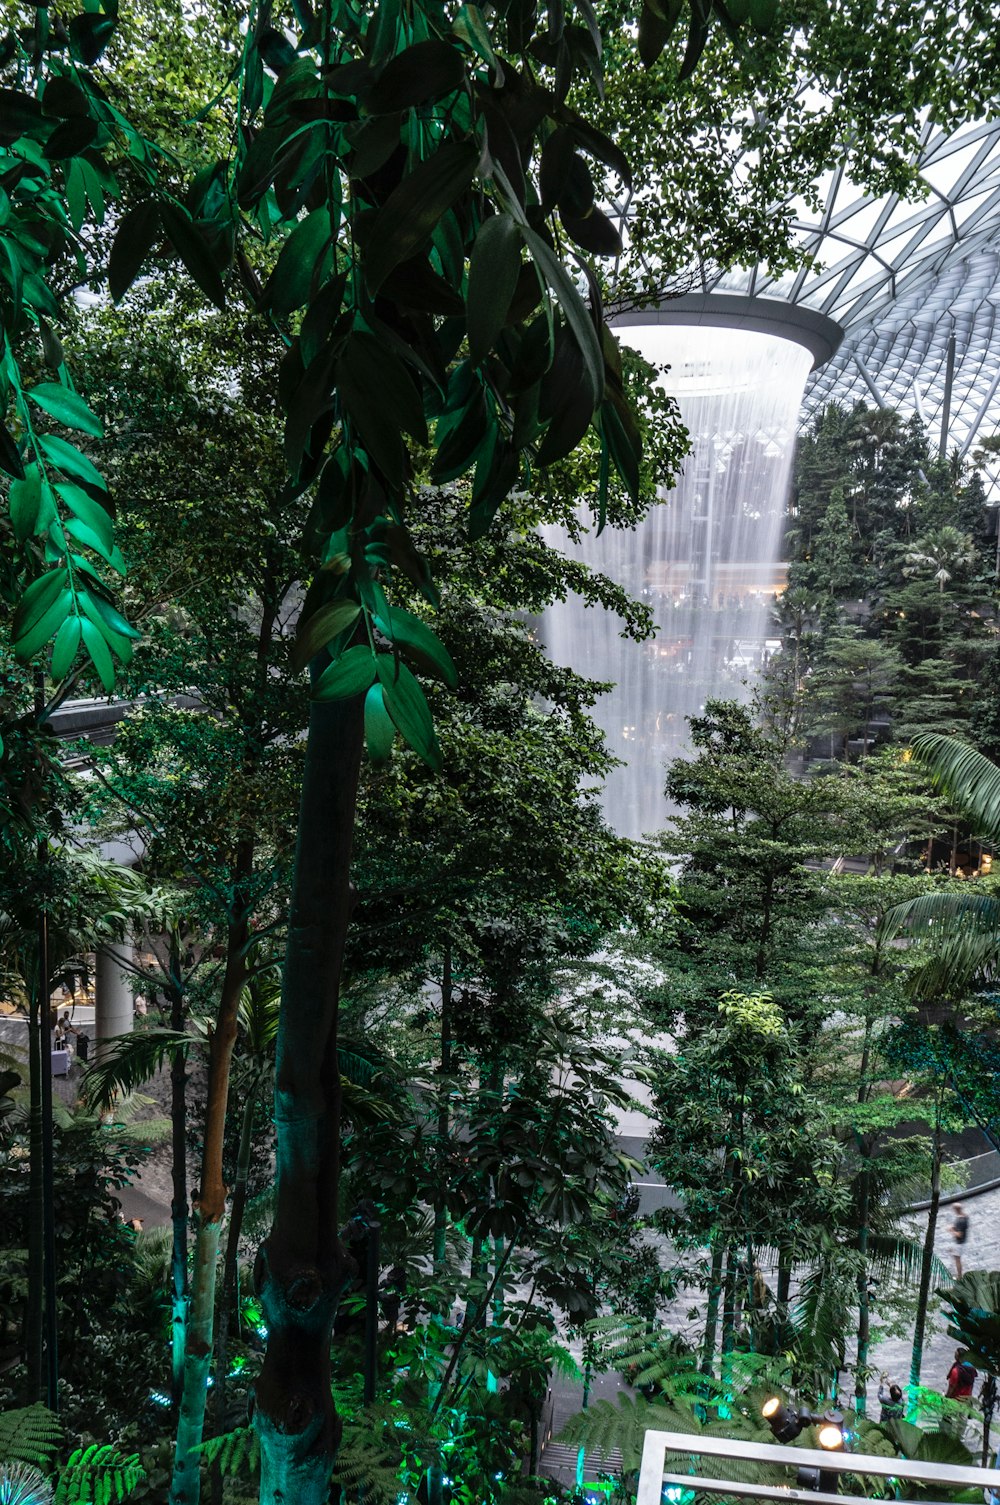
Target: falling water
(706, 560)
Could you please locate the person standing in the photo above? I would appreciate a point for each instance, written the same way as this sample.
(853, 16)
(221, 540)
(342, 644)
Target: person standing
(891, 1401)
(962, 1377)
(959, 1232)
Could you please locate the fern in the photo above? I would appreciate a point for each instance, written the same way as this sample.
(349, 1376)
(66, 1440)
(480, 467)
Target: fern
(31, 1435)
(98, 1475)
(22, 1485)
(236, 1452)
(606, 1428)
(370, 1457)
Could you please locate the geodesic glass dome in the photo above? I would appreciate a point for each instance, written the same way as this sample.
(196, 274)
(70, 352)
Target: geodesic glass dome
(902, 279)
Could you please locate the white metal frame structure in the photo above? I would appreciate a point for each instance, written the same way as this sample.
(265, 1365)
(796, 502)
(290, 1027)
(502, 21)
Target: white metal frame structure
(903, 279)
(654, 1474)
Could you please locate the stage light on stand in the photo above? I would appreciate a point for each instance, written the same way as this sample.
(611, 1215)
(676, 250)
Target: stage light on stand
(786, 1425)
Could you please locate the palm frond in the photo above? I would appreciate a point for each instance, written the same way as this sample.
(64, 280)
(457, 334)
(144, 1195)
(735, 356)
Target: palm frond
(945, 912)
(956, 936)
(131, 1061)
(965, 775)
(973, 1311)
(145, 1131)
(891, 1254)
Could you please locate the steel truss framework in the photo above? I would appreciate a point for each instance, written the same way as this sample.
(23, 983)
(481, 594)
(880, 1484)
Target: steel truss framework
(903, 278)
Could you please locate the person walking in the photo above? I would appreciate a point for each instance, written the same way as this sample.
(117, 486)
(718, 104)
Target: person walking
(959, 1232)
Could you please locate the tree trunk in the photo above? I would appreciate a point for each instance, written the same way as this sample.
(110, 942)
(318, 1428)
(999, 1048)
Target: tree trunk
(864, 1312)
(178, 1171)
(302, 1267)
(926, 1262)
(781, 1296)
(712, 1308)
(729, 1305)
(230, 1265)
(443, 1125)
(33, 1315)
(185, 1485)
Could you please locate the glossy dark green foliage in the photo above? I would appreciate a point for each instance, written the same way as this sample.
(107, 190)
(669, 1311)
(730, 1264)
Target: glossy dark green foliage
(135, 239)
(658, 21)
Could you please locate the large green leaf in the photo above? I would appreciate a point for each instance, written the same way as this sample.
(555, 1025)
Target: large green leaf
(119, 643)
(574, 310)
(414, 208)
(404, 628)
(192, 248)
(380, 729)
(415, 76)
(135, 239)
(407, 705)
(10, 455)
(68, 407)
(349, 675)
(289, 285)
(494, 269)
(100, 654)
(321, 628)
(381, 399)
(28, 644)
(37, 599)
(24, 501)
(69, 459)
(88, 511)
(64, 649)
(19, 115)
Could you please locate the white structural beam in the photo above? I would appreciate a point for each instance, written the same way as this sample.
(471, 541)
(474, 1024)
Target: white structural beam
(657, 1446)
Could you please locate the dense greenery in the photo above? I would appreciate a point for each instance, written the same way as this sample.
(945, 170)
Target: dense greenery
(353, 358)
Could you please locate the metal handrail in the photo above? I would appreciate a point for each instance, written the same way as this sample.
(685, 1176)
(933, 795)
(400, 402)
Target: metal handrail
(653, 1474)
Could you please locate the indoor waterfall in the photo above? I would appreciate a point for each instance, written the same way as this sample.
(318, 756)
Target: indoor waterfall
(706, 559)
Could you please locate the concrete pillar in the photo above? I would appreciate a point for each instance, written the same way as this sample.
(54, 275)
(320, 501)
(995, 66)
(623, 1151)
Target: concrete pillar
(113, 1010)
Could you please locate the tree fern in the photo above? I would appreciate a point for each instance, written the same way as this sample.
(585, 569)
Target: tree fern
(98, 1475)
(31, 1435)
(22, 1485)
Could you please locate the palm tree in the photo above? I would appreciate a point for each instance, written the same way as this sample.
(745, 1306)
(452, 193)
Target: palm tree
(959, 932)
(943, 554)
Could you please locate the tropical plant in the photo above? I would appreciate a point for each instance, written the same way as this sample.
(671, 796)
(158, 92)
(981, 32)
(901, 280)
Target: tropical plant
(972, 1306)
(959, 933)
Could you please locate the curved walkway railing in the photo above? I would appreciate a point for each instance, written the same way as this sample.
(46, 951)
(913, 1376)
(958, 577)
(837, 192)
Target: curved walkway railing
(982, 1174)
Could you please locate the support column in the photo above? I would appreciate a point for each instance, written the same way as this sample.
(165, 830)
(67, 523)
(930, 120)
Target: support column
(113, 995)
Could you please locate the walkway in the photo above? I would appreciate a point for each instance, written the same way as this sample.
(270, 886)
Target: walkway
(890, 1353)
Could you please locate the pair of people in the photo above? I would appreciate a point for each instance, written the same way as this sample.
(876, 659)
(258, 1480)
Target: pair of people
(64, 1028)
(960, 1384)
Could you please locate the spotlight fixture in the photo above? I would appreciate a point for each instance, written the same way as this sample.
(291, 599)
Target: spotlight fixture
(785, 1423)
